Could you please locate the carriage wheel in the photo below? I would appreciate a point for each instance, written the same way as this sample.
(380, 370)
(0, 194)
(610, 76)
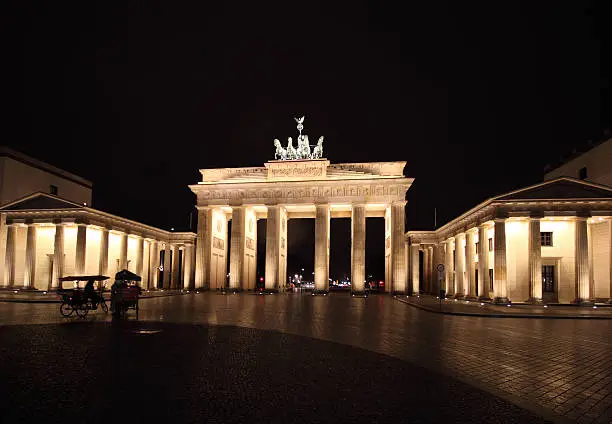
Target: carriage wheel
(66, 309)
(104, 306)
(82, 310)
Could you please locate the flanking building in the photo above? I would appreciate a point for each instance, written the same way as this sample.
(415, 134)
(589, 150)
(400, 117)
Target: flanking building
(550, 242)
(21, 175)
(48, 230)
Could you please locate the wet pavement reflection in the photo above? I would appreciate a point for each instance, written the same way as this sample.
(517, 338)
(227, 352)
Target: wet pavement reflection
(564, 366)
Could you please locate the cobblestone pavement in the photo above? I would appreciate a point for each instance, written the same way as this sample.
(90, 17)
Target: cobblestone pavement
(473, 308)
(152, 372)
(562, 368)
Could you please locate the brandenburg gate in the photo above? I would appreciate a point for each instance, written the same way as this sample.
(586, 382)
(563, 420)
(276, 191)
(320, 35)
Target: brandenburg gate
(297, 184)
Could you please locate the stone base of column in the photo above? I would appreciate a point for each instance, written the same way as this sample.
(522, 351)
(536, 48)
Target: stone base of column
(458, 296)
(270, 291)
(501, 301)
(582, 302)
(470, 297)
(362, 293)
(320, 292)
(231, 290)
(24, 288)
(535, 301)
(449, 294)
(399, 293)
(484, 299)
(609, 301)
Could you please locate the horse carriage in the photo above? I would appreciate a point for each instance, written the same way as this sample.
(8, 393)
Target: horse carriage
(125, 293)
(81, 300)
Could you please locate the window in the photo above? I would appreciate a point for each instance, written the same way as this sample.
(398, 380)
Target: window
(490, 245)
(546, 239)
(53, 190)
(582, 173)
(490, 278)
(476, 246)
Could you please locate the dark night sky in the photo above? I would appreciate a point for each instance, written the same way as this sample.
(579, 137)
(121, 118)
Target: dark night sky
(477, 97)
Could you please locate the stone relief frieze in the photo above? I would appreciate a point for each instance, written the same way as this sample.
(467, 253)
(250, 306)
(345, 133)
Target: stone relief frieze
(311, 193)
(250, 243)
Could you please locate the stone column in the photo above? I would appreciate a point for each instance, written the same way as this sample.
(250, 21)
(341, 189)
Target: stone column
(58, 255)
(123, 252)
(154, 265)
(103, 260)
(188, 266)
(358, 246)
(167, 266)
(203, 248)
(272, 248)
(459, 266)
(424, 249)
(139, 255)
(581, 255)
(11, 243)
(321, 261)
(276, 248)
(430, 270)
(29, 275)
(176, 275)
(470, 250)
(448, 267)
(499, 256)
(398, 214)
(535, 260)
(414, 268)
(237, 248)
(81, 249)
(3, 236)
(483, 263)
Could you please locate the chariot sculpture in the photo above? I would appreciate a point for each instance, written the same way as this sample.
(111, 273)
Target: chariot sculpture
(303, 150)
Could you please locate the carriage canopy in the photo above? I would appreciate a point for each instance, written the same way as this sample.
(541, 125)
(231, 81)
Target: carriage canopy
(126, 275)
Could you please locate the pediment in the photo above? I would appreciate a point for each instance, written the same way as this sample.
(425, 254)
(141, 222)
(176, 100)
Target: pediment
(563, 188)
(40, 201)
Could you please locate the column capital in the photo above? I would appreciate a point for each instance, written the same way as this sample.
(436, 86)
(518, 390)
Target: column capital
(582, 216)
(500, 220)
(399, 203)
(536, 215)
(472, 230)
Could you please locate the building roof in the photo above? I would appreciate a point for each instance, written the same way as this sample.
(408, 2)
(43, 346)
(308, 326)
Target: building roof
(30, 161)
(46, 207)
(565, 192)
(577, 153)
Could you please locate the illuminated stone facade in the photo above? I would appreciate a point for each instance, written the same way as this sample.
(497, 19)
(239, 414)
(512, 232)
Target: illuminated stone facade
(44, 237)
(551, 242)
(282, 190)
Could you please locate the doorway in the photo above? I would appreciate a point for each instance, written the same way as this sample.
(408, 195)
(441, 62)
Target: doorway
(549, 283)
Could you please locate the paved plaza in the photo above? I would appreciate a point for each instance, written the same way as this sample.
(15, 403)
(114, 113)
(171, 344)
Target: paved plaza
(386, 356)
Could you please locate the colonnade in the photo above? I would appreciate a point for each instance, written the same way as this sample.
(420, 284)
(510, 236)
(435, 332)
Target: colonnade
(212, 246)
(54, 249)
(515, 255)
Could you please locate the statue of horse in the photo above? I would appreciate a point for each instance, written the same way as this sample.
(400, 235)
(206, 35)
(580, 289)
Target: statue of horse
(307, 148)
(291, 152)
(317, 153)
(303, 150)
(280, 152)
